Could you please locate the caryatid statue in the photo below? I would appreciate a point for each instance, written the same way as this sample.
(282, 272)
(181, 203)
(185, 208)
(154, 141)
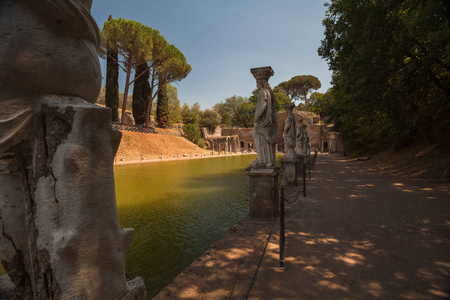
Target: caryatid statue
(289, 133)
(265, 124)
(59, 230)
(305, 139)
(300, 137)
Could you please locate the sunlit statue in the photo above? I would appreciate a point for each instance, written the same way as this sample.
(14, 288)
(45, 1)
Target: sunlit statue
(289, 134)
(59, 230)
(265, 124)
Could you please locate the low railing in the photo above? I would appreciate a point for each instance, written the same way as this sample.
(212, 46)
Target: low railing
(150, 130)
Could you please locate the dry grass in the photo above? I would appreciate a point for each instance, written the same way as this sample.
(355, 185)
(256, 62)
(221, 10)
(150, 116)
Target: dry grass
(151, 146)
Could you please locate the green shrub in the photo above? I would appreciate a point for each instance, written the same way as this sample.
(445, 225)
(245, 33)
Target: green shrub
(192, 133)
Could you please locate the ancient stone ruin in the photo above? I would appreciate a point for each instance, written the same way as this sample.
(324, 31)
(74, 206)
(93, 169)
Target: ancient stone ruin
(59, 231)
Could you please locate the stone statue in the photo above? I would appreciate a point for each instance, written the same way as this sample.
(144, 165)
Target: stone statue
(265, 127)
(59, 231)
(305, 142)
(300, 137)
(289, 133)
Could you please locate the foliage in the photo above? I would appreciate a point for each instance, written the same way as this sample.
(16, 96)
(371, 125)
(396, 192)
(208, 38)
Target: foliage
(130, 40)
(280, 98)
(319, 103)
(141, 94)
(391, 72)
(138, 44)
(236, 111)
(112, 83)
(210, 119)
(167, 65)
(190, 115)
(162, 107)
(174, 105)
(298, 87)
(192, 133)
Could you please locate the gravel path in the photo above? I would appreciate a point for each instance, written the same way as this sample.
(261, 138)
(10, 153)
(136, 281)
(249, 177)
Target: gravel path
(357, 235)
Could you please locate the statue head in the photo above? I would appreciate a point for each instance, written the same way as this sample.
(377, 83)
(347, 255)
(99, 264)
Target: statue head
(261, 83)
(262, 75)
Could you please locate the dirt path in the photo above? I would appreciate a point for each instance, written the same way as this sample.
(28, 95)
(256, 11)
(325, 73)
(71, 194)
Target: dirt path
(362, 235)
(358, 235)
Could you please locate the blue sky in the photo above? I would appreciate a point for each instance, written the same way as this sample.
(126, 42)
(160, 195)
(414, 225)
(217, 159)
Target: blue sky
(223, 39)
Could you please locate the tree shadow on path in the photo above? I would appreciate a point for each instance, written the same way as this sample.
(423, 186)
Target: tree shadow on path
(361, 235)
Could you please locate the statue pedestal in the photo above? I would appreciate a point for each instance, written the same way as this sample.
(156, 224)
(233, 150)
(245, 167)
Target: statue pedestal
(289, 171)
(301, 164)
(264, 191)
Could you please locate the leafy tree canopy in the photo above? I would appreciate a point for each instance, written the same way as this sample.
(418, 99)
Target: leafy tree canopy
(298, 87)
(190, 115)
(210, 119)
(391, 71)
(174, 105)
(280, 98)
(236, 111)
(138, 44)
(132, 41)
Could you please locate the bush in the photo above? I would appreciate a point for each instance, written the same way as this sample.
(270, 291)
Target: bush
(192, 133)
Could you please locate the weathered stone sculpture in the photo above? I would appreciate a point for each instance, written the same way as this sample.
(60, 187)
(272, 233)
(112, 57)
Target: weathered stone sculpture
(289, 160)
(59, 230)
(300, 137)
(265, 128)
(289, 133)
(264, 175)
(305, 140)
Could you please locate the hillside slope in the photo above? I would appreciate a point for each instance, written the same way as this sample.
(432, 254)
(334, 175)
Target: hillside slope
(151, 146)
(430, 162)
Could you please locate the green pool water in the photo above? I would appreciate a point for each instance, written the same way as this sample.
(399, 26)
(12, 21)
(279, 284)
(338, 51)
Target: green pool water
(178, 209)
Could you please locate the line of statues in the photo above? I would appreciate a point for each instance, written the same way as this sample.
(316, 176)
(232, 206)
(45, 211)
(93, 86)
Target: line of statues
(296, 139)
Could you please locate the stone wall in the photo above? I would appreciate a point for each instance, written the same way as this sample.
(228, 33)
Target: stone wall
(321, 136)
(245, 136)
(223, 143)
(206, 133)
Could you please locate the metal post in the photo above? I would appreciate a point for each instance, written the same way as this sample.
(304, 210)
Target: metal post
(282, 264)
(304, 179)
(309, 162)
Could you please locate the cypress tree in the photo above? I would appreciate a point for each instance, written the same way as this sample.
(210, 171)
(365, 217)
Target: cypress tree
(162, 107)
(141, 94)
(112, 82)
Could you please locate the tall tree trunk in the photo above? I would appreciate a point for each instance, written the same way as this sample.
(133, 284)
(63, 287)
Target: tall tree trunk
(141, 94)
(125, 93)
(112, 84)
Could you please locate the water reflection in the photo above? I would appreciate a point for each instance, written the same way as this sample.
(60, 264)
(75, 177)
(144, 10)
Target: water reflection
(178, 210)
